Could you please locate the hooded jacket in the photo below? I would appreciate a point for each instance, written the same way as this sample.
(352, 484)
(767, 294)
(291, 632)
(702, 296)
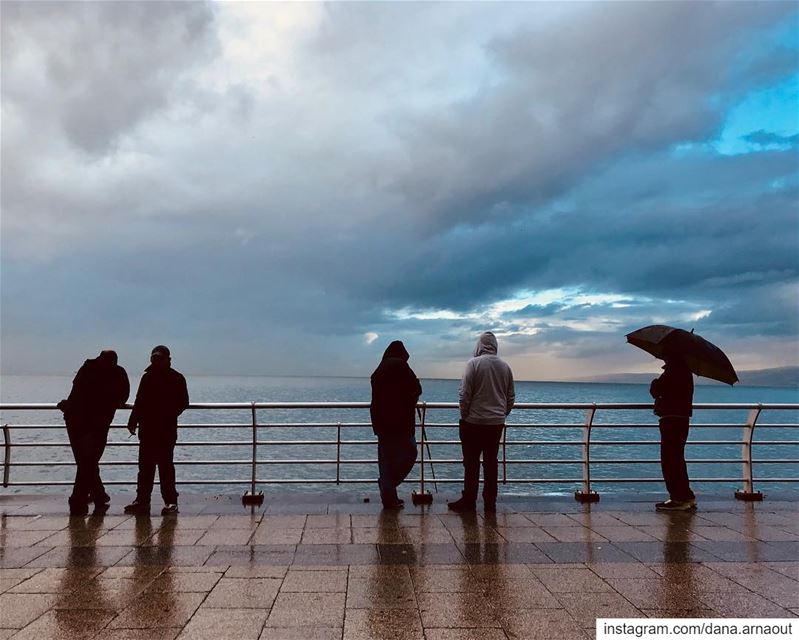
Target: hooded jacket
(673, 391)
(100, 387)
(162, 396)
(486, 393)
(395, 392)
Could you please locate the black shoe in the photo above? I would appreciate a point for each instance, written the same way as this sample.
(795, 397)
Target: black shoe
(138, 508)
(101, 507)
(462, 506)
(169, 509)
(676, 505)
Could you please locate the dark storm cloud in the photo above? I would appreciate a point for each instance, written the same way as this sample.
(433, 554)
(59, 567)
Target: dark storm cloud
(766, 138)
(98, 69)
(291, 192)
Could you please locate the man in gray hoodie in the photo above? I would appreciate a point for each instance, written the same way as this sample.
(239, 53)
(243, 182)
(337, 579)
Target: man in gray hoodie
(486, 398)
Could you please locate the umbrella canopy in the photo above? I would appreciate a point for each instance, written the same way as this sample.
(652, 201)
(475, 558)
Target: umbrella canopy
(702, 357)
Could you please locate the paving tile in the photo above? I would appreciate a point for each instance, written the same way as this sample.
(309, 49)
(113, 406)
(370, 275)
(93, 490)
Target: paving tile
(434, 580)
(722, 534)
(541, 624)
(326, 535)
(580, 552)
(752, 551)
(137, 573)
(657, 594)
(567, 580)
(525, 534)
(622, 570)
(229, 523)
(243, 593)
(336, 554)
(329, 521)
(178, 538)
(378, 535)
(17, 557)
(734, 605)
(12, 577)
(393, 624)
(680, 613)
(66, 625)
(164, 556)
(307, 610)
(469, 610)
(214, 537)
(20, 538)
(138, 634)
(465, 634)
(154, 610)
(20, 609)
(315, 581)
(552, 520)
(790, 569)
(623, 533)
(666, 551)
(389, 593)
(270, 535)
(573, 533)
(585, 608)
(56, 580)
(211, 624)
(301, 633)
(284, 522)
(511, 552)
(80, 557)
(185, 582)
(257, 571)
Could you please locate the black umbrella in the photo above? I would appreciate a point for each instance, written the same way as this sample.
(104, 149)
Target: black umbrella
(702, 357)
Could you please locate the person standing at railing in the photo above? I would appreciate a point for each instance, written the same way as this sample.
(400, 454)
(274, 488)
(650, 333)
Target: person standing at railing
(100, 387)
(395, 392)
(486, 398)
(162, 396)
(673, 392)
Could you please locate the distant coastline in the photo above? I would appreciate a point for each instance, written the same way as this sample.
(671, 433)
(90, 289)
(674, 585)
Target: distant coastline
(774, 377)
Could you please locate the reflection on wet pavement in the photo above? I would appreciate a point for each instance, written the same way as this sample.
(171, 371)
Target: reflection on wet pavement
(536, 570)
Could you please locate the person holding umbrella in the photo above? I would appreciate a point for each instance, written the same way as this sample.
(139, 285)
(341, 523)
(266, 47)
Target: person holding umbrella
(673, 392)
(684, 354)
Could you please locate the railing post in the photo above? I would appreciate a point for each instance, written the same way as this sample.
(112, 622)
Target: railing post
(6, 454)
(251, 497)
(587, 494)
(748, 493)
(422, 496)
(338, 453)
(504, 456)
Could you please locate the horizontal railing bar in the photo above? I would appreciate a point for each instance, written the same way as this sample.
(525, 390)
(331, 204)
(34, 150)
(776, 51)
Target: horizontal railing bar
(599, 406)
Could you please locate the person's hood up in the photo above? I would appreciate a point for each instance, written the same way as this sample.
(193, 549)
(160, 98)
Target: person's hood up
(396, 350)
(486, 344)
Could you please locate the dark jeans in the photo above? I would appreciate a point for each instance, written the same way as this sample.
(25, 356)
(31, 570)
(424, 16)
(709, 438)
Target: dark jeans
(673, 436)
(88, 444)
(395, 459)
(477, 439)
(152, 454)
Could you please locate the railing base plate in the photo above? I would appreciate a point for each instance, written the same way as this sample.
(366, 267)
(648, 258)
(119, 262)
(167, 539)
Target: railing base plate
(749, 496)
(421, 497)
(253, 498)
(591, 496)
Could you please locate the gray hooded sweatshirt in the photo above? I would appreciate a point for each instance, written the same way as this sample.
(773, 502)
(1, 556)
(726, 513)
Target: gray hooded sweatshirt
(486, 393)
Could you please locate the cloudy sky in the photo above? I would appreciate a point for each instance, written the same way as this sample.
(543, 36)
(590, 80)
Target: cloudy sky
(285, 188)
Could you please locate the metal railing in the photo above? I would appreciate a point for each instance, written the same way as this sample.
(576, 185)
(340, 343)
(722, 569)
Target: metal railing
(263, 450)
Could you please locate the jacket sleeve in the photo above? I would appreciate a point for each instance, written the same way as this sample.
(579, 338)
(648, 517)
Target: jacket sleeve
(135, 413)
(183, 397)
(654, 388)
(124, 387)
(466, 389)
(511, 393)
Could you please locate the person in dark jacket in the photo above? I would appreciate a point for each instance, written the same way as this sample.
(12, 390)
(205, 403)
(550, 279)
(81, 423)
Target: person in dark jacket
(673, 392)
(395, 392)
(162, 396)
(100, 387)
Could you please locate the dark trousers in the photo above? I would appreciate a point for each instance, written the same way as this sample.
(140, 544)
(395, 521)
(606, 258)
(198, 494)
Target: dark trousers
(152, 454)
(477, 440)
(673, 436)
(395, 459)
(88, 444)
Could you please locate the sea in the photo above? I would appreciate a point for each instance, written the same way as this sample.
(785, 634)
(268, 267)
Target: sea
(297, 447)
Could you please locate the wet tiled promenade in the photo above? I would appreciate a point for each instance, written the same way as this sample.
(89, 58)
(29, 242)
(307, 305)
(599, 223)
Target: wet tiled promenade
(304, 569)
